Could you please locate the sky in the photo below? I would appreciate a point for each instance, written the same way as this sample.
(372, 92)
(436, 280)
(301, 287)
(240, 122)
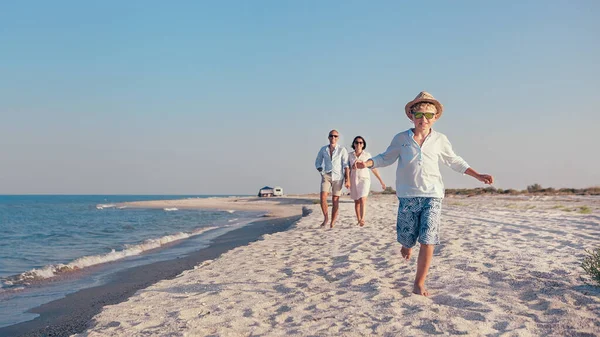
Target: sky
(224, 97)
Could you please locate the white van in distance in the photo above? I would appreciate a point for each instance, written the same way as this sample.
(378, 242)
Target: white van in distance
(277, 191)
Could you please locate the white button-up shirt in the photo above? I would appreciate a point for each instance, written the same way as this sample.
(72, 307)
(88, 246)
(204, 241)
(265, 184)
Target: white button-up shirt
(336, 163)
(418, 173)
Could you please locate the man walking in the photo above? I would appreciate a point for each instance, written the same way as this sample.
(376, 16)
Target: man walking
(332, 162)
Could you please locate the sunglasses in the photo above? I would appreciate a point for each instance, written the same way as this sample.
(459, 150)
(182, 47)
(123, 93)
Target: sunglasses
(428, 115)
(358, 142)
(334, 136)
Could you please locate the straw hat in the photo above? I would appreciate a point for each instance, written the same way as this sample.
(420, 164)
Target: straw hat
(424, 96)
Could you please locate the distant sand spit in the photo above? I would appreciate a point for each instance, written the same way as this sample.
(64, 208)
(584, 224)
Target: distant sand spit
(273, 207)
(505, 267)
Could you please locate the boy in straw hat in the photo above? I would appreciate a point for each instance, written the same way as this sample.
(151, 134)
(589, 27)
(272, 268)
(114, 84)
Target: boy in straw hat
(419, 185)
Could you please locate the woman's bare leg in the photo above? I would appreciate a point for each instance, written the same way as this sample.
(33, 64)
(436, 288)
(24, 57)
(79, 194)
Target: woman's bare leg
(363, 209)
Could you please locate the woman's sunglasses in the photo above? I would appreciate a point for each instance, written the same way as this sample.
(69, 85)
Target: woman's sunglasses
(428, 115)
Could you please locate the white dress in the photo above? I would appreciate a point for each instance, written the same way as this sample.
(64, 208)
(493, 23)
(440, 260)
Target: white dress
(360, 179)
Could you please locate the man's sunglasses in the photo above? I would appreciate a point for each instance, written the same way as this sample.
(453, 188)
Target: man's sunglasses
(428, 115)
(334, 136)
(358, 143)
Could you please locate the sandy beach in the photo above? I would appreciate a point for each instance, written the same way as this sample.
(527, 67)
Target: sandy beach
(507, 266)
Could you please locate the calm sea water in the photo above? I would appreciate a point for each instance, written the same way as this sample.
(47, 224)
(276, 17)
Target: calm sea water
(54, 245)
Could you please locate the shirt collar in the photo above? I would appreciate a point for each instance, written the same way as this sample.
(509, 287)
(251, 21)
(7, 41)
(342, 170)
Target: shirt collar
(412, 134)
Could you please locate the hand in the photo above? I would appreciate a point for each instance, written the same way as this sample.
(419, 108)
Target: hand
(347, 184)
(382, 186)
(360, 164)
(485, 178)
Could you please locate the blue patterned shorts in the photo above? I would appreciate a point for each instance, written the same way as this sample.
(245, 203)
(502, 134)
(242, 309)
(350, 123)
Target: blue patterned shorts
(419, 218)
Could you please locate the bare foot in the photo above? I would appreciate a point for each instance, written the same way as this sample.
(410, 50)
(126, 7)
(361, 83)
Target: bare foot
(324, 222)
(361, 223)
(332, 224)
(420, 290)
(406, 252)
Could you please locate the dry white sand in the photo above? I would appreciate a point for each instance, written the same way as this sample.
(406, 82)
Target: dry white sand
(505, 267)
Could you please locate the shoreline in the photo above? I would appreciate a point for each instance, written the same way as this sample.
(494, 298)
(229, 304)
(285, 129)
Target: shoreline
(72, 314)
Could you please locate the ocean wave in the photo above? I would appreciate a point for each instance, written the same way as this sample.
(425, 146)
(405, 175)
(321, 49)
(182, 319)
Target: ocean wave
(10, 290)
(170, 209)
(231, 211)
(104, 206)
(49, 271)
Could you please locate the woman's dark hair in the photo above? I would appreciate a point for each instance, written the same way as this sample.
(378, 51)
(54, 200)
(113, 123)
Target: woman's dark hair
(364, 141)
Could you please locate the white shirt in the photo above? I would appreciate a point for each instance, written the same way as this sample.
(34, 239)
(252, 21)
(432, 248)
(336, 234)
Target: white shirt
(360, 173)
(334, 164)
(418, 173)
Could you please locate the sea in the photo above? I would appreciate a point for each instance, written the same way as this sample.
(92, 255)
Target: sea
(53, 245)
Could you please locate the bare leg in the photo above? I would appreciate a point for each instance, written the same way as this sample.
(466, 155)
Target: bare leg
(363, 206)
(423, 263)
(334, 212)
(357, 210)
(324, 208)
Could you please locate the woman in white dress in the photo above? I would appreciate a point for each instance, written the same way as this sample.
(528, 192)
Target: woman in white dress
(360, 179)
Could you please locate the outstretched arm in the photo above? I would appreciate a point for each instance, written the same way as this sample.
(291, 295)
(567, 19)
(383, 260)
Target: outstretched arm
(459, 165)
(376, 173)
(484, 178)
(384, 159)
(364, 164)
(390, 155)
(450, 158)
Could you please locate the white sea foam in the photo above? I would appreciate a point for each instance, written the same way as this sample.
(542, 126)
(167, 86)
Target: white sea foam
(87, 261)
(231, 211)
(9, 290)
(104, 206)
(171, 209)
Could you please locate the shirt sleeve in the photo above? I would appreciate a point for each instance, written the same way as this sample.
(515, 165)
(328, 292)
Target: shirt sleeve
(350, 156)
(319, 160)
(344, 159)
(390, 155)
(451, 159)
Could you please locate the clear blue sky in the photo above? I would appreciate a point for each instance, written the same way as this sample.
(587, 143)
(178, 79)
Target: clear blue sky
(225, 97)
